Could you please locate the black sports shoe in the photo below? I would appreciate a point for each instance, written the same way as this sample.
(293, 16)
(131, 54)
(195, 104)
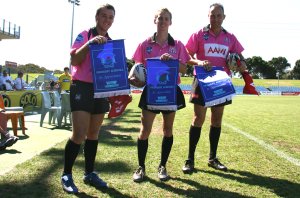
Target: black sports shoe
(188, 166)
(216, 164)
(162, 173)
(139, 174)
(2, 147)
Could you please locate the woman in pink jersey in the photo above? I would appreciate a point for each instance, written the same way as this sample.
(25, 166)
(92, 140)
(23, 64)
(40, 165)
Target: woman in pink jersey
(161, 45)
(87, 112)
(211, 46)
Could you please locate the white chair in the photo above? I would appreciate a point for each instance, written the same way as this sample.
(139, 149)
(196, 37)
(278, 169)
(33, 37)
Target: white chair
(65, 109)
(56, 102)
(54, 111)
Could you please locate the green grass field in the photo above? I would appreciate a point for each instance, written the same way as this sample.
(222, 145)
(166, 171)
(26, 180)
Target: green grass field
(259, 144)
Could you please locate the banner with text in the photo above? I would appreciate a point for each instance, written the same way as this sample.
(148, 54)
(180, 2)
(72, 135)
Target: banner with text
(215, 85)
(109, 69)
(162, 79)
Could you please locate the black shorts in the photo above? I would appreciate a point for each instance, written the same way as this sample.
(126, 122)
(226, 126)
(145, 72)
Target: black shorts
(180, 102)
(196, 95)
(82, 98)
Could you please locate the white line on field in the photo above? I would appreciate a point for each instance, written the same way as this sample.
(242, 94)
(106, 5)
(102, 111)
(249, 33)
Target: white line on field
(265, 145)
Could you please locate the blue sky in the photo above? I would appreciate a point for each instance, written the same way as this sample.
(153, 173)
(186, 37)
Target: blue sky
(265, 28)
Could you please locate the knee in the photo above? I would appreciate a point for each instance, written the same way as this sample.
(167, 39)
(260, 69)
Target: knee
(198, 121)
(77, 138)
(144, 135)
(168, 132)
(216, 124)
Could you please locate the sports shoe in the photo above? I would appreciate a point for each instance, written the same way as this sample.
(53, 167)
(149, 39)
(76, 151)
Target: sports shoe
(216, 164)
(68, 184)
(118, 105)
(2, 146)
(94, 180)
(139, 174)
(8, 141)
(188, 166)
(162, 173)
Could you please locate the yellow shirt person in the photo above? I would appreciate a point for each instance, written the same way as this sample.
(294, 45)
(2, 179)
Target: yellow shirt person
(64, 80)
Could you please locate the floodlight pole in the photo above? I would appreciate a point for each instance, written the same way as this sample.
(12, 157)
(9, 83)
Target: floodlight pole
(74, 2)
(278, 79)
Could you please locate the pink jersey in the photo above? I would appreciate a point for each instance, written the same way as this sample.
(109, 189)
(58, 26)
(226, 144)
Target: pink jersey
(83, 72)
(207, 46)
(150, 49)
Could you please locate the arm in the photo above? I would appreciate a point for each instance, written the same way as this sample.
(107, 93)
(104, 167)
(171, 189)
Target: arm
(78, 56)
(205, 63)
(243, 66)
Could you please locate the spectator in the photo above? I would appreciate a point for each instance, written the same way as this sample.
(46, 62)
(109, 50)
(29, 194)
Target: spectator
(7, 82)
(20, 84)
(64, 80)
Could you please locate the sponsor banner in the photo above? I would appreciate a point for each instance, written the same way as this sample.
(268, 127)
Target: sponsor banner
(290, 93)
(28, 99)
(273, 93)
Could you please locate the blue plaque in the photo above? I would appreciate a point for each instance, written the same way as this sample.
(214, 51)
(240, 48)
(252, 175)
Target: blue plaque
(162, 79)
(215, 85)
(109, 68)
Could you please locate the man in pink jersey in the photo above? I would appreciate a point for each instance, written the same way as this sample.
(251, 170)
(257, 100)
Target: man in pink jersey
(87, 112)
(211, 45)
(160, 45)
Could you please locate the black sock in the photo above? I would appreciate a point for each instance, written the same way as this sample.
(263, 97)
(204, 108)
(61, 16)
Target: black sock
(142, 146)
(71, 152)
(214, 136)
(90, 150)
(194, 137)
(166, 147)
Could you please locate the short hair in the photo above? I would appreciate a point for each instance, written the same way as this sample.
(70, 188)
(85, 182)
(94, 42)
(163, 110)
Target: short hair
(66, 68)
(161, 11)
(107, 6)
(217, 5)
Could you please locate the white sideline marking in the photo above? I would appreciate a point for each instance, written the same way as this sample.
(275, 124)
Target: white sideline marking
(265, 145)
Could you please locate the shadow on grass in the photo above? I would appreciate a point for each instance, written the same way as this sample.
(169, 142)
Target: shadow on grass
(10, 151)
(42, 177)
(280, 187)
(198, 191)
(23, 137)
(112, 192)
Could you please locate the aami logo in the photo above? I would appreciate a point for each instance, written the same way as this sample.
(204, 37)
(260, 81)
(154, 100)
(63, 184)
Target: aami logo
(215, 50)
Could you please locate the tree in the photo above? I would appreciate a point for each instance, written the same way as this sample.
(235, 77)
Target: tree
(259, 68)
(130, 63)
(295, 73)
(280, 65)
